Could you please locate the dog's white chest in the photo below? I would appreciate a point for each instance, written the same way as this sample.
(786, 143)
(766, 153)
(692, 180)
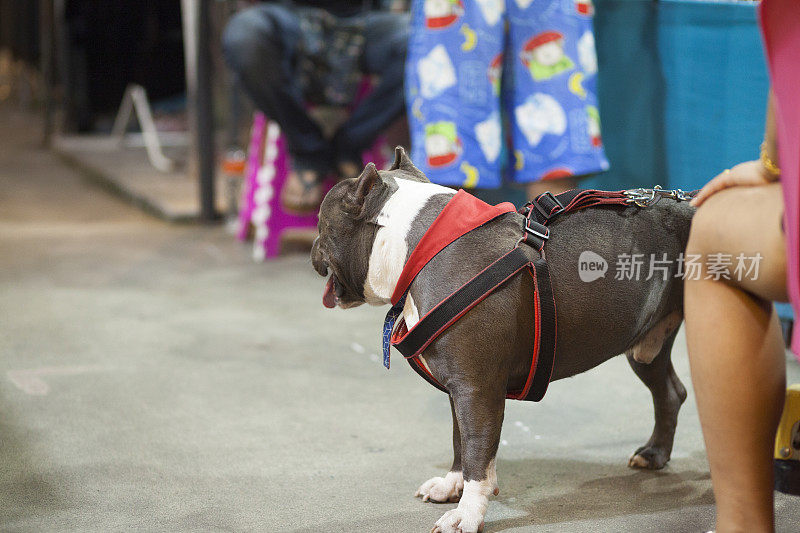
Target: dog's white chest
(390, 248)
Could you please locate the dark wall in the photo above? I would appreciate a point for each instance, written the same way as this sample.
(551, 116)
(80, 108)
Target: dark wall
(112, 44)
(19, 23)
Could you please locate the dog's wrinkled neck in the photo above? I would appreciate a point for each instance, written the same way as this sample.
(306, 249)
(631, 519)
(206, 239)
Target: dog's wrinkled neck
(397, 219)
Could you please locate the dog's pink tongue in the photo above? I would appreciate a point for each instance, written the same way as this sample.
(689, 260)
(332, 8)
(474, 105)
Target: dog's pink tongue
(329, 296)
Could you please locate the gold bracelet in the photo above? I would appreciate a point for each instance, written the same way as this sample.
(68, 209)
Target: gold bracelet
(768, 163)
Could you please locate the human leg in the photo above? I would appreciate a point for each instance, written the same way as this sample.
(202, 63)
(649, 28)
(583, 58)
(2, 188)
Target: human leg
(259, 45)
(736, 351)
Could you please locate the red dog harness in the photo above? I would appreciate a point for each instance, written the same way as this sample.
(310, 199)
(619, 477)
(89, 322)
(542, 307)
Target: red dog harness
(464, 213)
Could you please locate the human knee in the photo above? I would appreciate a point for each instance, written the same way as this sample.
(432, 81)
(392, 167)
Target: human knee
(738, 219)
(245, 38)
(738, 230)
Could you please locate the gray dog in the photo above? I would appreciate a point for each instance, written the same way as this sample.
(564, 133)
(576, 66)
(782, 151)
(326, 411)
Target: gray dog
(369, 225)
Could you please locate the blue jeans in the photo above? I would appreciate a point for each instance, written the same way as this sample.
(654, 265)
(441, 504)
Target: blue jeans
(260, 45)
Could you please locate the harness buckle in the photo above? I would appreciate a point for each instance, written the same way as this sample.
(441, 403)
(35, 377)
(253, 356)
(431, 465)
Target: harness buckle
(537, 230)
(557, 207)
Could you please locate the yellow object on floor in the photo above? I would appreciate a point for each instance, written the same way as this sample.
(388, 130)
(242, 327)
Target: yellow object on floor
(787, 439)
(787, 444)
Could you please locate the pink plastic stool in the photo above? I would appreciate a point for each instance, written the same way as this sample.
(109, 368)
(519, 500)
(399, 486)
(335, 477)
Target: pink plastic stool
(265, 174)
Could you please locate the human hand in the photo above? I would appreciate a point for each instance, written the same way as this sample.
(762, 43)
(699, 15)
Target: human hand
(747, 174)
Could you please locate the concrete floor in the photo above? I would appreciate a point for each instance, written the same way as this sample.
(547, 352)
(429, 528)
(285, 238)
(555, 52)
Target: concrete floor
(153, 378)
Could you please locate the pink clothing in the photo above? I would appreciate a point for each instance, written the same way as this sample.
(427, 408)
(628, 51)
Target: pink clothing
(780, 24)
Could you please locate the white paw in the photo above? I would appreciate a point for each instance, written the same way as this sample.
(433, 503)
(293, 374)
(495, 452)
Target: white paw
(468, 516)
(459, 520)
(442, 489)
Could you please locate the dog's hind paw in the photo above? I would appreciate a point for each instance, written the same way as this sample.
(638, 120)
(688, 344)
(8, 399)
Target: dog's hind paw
(442, 489)
(649, 457)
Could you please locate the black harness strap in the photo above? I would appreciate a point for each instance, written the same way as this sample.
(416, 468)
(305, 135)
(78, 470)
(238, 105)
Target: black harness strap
(462, 300)
(544, 355)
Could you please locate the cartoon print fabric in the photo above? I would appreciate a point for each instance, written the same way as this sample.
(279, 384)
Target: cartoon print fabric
(503, 88)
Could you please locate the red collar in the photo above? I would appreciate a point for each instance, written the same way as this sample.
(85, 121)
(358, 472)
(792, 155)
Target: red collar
(462, 214)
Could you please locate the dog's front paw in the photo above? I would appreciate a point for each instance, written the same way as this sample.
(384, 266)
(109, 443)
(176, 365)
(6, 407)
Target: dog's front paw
(459, 520)
(468, 516)
(442, 489)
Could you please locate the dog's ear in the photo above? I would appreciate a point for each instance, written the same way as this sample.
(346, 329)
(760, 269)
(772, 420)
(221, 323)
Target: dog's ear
(354, 201)
(403, 162)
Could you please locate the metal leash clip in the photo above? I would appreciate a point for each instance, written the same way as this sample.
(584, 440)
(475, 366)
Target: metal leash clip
(647, 197)
(640, 197)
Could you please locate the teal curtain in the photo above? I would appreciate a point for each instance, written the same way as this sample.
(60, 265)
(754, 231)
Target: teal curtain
(682, 88)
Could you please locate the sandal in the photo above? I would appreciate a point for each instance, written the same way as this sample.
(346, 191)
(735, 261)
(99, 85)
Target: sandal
(302, 192)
